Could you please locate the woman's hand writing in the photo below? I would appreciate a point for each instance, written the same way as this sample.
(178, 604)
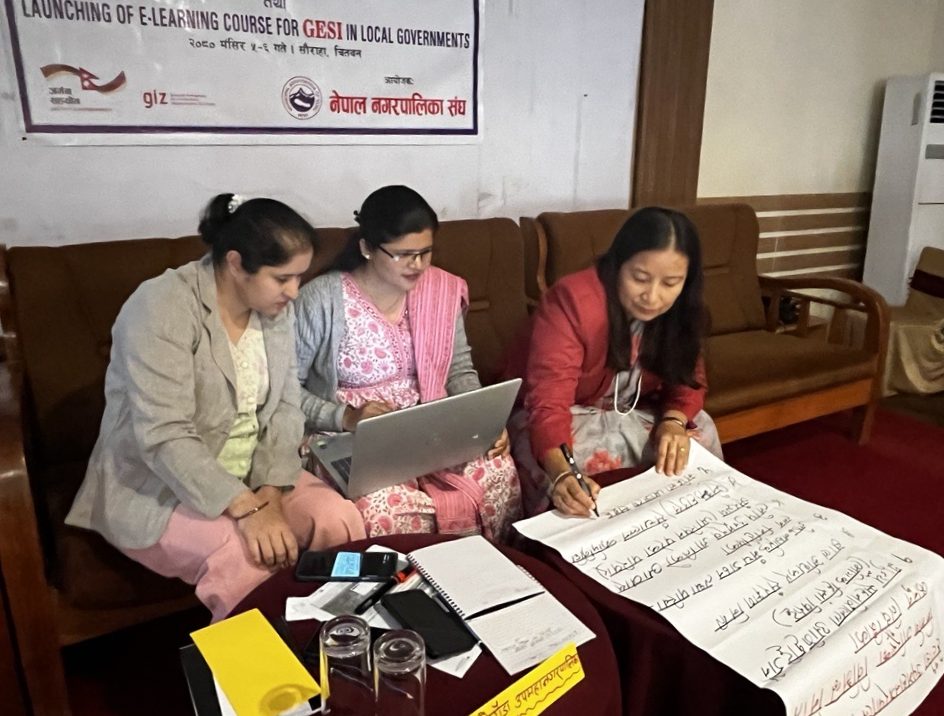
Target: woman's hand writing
(500, 447)
(370, 409)
(569, 497)
(672, 444)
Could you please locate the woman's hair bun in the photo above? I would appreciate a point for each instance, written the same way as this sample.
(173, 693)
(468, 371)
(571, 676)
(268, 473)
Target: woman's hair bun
(214, 217)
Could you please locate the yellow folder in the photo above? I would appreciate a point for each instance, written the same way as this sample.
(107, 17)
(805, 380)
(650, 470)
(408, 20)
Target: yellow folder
(256, 670)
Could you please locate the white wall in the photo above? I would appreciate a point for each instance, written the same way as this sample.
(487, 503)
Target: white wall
(559, 95)
(795, 88)
(937, 46)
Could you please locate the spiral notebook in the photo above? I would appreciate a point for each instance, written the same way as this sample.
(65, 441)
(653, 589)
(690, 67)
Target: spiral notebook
(504, 606)
(472, 575)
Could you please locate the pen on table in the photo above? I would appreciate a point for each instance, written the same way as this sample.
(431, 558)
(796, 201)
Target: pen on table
(375, 595)
(568, 456)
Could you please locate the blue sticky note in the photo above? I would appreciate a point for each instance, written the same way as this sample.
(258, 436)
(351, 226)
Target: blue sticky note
(346, 564)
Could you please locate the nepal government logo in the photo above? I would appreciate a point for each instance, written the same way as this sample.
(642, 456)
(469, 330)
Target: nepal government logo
(301, 98)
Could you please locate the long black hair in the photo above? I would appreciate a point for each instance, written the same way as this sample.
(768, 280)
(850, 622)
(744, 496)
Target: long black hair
(264, 232)
(671, 342)
(387, 214)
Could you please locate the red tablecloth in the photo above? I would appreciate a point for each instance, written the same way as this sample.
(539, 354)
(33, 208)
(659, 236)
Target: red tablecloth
(598, 693)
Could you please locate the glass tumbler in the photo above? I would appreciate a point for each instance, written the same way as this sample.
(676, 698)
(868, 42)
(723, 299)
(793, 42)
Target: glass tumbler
(346, 686)
(400, 673)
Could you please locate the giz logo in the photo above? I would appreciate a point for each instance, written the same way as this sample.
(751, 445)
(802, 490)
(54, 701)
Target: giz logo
(153, 98)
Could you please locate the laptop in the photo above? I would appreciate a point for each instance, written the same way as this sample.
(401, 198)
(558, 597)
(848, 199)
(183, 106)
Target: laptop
(389, 449)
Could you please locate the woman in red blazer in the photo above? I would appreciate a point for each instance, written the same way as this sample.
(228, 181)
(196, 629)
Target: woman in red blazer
(614, 367)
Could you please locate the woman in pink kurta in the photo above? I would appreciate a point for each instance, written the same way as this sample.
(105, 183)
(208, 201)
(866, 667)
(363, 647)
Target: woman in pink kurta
(383, 332)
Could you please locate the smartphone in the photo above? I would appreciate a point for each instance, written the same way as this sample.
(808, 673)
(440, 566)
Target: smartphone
(339, 566)
(443, 631)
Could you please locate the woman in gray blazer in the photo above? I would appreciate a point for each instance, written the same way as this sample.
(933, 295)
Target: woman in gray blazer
(196, 473)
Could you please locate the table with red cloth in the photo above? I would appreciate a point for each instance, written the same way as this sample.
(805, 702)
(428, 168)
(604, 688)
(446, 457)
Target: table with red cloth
(664, 674)
(598, 693)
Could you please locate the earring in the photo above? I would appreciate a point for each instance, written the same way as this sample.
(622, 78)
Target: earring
(366, 256)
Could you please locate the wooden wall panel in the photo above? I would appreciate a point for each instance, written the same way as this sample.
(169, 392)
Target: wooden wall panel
(829, 219)
(789, 202)
(673, 73)
(809, 234)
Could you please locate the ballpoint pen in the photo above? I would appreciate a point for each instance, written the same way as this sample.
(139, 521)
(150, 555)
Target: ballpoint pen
(375, 595)
(568, 456)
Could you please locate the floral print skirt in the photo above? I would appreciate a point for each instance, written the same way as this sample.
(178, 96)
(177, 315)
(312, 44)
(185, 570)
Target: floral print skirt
(407, 508)
(603, 440)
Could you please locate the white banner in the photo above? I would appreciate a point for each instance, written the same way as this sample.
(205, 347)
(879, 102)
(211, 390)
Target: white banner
(833, 615)
(253, 68)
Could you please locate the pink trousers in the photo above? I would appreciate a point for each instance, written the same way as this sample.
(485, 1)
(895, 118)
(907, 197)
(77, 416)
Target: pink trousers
(211, 554)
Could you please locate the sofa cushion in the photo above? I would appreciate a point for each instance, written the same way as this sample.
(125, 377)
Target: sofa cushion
(66, 300)
(88, 571)
(488, 254)
(729, 235)
(575, 239)
(329, 243)
(759, 368)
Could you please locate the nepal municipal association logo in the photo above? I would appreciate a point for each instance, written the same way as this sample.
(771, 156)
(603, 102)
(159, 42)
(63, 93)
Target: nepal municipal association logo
(301, 98)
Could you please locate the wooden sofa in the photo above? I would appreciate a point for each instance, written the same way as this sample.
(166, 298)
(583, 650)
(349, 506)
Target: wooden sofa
(759, 377)
(63, 585)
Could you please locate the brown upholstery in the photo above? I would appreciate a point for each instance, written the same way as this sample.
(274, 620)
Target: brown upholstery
(748, 367)
(758, 367)
(66, 300)
(575, 239)
(487, 253)
(728, 236)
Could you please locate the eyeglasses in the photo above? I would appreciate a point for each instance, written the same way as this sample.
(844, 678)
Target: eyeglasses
(408, 256)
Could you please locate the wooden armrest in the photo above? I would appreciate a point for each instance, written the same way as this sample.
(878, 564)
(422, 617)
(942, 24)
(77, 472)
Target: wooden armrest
(29, 598)
(864, 298)
(20, 550)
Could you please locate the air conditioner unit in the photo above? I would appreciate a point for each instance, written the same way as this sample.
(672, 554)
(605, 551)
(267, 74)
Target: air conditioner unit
(908, 198)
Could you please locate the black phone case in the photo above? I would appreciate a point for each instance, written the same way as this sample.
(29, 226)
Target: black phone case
(443, 631)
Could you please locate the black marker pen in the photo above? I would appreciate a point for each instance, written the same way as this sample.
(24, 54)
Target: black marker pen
(568, 456)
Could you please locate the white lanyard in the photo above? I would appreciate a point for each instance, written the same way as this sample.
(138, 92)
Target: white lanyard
(616, 395)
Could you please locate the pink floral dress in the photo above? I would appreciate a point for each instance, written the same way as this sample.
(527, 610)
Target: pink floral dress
(376, 362)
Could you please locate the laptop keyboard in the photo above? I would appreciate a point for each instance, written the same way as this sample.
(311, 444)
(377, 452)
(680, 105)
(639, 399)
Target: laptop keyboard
(343, 466)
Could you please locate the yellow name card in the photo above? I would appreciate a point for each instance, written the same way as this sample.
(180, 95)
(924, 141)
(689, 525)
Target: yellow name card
(539, 688)
(256, 670)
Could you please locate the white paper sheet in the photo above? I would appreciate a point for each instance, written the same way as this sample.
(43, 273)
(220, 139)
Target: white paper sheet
(525, 634)
(831, 614)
